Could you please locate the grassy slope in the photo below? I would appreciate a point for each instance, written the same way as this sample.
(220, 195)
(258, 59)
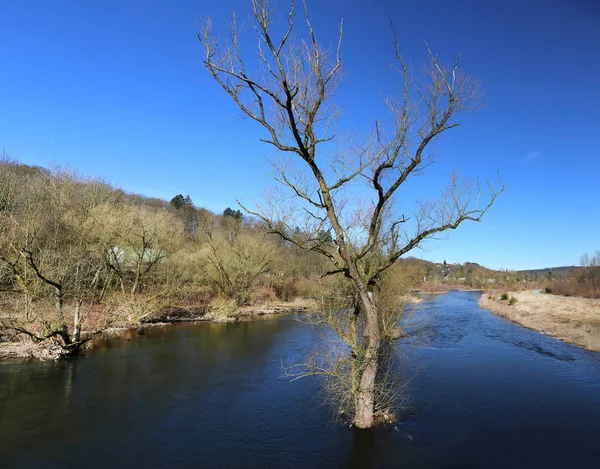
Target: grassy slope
(574, 320)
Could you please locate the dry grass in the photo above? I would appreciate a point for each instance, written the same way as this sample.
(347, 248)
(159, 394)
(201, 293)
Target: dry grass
(574, 320)
(221, 310)
(410, 299)
(226, 310)
(297, 305)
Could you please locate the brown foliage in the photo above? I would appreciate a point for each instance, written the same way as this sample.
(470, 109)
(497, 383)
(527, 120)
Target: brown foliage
(583, 283)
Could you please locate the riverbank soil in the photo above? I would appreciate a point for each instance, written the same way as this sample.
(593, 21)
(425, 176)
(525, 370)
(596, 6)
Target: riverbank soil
(573, 320)
(47, 350)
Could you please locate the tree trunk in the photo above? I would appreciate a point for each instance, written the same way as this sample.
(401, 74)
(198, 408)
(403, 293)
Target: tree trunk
(77, 322)
(365, 403)
(355, 353)
(105, 286)
(59, 304)
(63, 330)
(28, 306)
(138, 273)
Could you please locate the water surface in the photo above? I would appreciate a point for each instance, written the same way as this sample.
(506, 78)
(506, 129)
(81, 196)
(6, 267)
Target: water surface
(487, 393)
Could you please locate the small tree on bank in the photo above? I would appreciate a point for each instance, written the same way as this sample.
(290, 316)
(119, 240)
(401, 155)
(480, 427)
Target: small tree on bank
(289, 92)
(50, 254)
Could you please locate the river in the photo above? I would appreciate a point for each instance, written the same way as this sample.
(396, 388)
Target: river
(485, 394)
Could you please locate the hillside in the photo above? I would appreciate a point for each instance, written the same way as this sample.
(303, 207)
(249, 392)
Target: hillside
(75, 250)
(549, 272)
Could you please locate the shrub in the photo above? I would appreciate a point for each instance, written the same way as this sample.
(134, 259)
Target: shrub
(221, 309)
(263, 294)
(285, 289)
(573, 286)
(504, 296)
(135, 308)
(512, 300)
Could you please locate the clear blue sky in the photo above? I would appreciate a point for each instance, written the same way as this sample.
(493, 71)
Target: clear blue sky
(116, 89)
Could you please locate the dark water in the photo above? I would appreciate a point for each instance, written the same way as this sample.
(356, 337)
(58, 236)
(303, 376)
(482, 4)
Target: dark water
(487, 394)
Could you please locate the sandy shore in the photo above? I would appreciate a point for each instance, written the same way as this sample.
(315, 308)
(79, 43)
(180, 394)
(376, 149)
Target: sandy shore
(573, 320)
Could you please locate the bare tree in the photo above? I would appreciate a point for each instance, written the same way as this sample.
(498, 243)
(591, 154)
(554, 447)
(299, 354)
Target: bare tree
(236, 260)
(136, 241)
(290, 93)
(47, 255)
(336, 358)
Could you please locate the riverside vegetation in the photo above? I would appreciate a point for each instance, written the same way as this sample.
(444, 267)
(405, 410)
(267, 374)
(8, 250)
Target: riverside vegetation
(567, 307)
(574, 320)
(80, 259)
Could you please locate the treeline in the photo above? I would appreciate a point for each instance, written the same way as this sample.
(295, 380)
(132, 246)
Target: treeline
(78, 255)
(443, 276)
(583, 282)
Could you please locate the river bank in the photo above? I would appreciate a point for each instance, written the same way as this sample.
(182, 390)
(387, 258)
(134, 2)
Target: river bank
(572, 320)
(28, 350)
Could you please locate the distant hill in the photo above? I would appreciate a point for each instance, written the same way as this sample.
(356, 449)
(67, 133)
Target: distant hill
(473, 269)
(561, 272)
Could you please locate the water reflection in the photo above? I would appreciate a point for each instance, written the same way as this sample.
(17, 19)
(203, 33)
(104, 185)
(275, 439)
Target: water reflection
(487, 394)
